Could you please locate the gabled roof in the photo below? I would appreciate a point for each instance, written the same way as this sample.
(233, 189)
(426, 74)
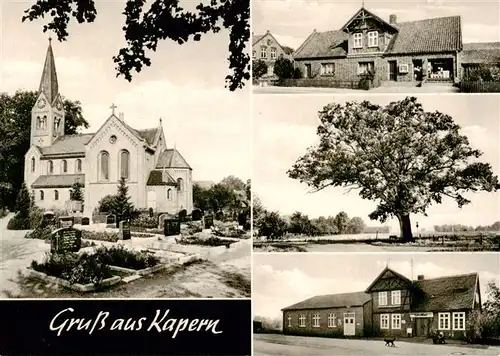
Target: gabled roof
(447, 293)
(149, 135)
(332, 301)
(67, 145)
(57, 181)
(372, 15)
(442, 34)
(480, 53)
(159, 177)
(257, 38)
(171, 158)
(385, 270)
(48, 83)
(323, 44)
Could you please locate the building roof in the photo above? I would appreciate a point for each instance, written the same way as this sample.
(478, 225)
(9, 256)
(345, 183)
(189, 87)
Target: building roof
(324, 44)
(159, 177)
(446, 293)
(67, 145)
(171, 158)
(481, 53)
(48, 83)
(57, 181)
(149, 135)
(365, 12)
(257, 38)
(332, 301)
(382, 274)
(441, 34)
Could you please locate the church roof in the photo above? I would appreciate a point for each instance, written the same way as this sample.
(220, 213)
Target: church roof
(171, 158)
(57, 181)
(48, 83)
(159, 177)
(67, 145)
(147, 135)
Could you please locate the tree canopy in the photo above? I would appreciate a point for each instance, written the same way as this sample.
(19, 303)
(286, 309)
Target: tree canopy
(398, 155)
(15, 128)
(165, 19)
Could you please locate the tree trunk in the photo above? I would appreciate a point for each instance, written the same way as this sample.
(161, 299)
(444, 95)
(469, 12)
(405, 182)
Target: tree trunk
(405, 228)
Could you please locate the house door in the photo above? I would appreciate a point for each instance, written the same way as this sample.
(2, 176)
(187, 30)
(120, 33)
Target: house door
(418, 70)
(393, 70)
(422, 326)
(308, 71)
(349, 324)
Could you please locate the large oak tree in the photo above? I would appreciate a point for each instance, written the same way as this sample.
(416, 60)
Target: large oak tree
(398, 155)
(164, 19)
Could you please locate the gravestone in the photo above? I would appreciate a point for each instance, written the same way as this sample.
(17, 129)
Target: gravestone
(219, 216)
(110, 220)
(151, 212)
(125, 230)
(182, 215)
(85, 221)
(48, 218)
(196, 215)
(172, 227)
(162, 218)
(66, 239)
(66, 221)
(208, 221)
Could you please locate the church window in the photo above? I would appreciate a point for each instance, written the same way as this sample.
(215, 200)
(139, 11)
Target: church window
(42, 195)
(44, 123)
(78, 165)
(64, 166)
(180, 185)
(124, 164)
(38, 123)
(56, 195)
(33, 164)
(51, 167)
(104, 165)
(169, 194)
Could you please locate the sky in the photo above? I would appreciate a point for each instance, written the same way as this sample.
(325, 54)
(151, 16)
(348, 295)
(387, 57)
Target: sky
(184, 86)
(285, 126)
(280, 280)
(291, 21)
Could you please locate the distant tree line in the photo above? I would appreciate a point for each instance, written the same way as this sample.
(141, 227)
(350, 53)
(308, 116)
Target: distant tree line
(273, 225)
(460, 228)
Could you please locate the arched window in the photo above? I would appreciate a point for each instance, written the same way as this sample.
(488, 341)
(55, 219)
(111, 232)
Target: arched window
(124, 164)
(78, 166)
(169, 194)
(51, 167)
(56, 195)
(104, 165)
(38, 123)
(42, 195)
(33, 164)
(44, 123)
(180, 185)
(64, 166)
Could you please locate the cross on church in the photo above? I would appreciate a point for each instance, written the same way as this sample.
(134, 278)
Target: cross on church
(113, 107)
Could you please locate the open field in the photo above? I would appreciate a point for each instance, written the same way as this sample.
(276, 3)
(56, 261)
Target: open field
(277, 344)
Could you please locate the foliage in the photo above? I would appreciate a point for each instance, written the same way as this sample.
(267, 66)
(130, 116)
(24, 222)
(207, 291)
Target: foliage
(41, 233)
(100, 236)
(482, 73)
(460, 228)
(211, 241)
(283, 68)
(120, 204)
(356, 225)
(272, 225)
(288, 50)
(300, 224)
(397, 155)
(297, 73)
(75, 192)
(105, 204)
(6, 190)
(145, 222)
(23, 201)
(164, 20)
(341, 221)
(81, 269)
(121, 257)
(18, 223)
(191, 228)
(259, 68)
(15, 128)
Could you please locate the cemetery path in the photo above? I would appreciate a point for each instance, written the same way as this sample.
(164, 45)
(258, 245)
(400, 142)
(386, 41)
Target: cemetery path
(16, 253)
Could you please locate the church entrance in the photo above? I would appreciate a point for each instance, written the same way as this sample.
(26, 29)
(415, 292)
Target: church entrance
(152, 199)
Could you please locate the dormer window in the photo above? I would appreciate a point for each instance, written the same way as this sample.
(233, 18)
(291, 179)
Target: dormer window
(358, 40)
(373, 39)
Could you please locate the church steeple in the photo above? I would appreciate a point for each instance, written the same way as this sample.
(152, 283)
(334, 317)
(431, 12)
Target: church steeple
(48, 84)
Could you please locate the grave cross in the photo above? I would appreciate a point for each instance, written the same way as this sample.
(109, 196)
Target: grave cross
(113, 107)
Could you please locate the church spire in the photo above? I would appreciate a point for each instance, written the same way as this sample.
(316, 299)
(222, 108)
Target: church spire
(48, 83)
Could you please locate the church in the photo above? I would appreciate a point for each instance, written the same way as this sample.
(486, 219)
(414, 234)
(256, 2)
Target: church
(157, 177)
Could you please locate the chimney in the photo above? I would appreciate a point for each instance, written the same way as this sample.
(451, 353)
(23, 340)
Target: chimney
(420, 277)
(268, 32)
(120, 117)
(393, 19)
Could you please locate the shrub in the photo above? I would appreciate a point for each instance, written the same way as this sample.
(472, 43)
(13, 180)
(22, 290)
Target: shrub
(41, 233)
(121, 257)
(259, 68)
(297, 73)
(19, 222)
(145, 222)
(100, 236)
(105, 204)
(283, 68)
(211, 241)
(192, 228)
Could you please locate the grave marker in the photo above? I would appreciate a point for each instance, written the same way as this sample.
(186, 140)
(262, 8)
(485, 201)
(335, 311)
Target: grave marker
(208, 221)
(66, 221)
(110, 220)
(196, 215)
(66, 239)
(125, 230)
(85, 221)
(172, 227)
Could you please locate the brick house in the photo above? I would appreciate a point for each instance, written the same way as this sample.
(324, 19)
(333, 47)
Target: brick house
(425, 50)
(268, 49)
(392, 305)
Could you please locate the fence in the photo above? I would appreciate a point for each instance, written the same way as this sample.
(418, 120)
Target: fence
(479, 87)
